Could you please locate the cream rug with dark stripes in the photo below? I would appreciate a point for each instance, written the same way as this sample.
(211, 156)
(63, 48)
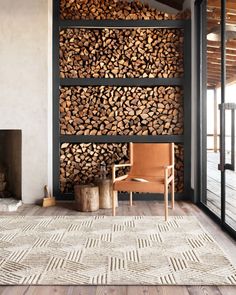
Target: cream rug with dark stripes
(65, 250)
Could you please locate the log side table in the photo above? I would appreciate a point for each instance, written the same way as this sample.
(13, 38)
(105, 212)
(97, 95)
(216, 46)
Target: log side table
(105, 193)
(86, 198)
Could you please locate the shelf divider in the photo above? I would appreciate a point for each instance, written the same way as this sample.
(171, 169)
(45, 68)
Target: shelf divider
(121, 24)
(122, 82)
(121, 138)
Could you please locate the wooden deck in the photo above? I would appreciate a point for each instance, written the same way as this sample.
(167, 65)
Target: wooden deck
(214, 189)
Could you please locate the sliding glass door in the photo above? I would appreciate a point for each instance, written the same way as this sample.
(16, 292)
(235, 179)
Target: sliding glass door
(217, 110)
(212, 100)
(229, 108)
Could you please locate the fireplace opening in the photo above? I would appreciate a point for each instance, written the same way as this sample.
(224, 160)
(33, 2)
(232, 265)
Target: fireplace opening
(10, 164)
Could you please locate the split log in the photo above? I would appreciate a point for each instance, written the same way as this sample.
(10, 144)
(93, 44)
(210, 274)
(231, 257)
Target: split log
(113, 9)
(2, 176)
(2, 186)
(105, 193)
(116, 9)
(179, 168)
(112, 53)
(117, 53)
(80, 163)
(86, 198)
(3, 183)
(105, 110)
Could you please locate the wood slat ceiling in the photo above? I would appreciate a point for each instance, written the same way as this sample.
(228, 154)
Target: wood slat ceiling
(213, 48)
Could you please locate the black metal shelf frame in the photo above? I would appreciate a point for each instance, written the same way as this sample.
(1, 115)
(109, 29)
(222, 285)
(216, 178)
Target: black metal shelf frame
(184, 82)
(141, 82)
(122, 24)
(121, 138)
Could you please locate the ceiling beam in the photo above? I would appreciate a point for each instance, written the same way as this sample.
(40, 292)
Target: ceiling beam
(218, 51)
(217, 55)
(218, 72)
(231, 43)
(230, 4)
(213, 9)
(217, 79)
(217, 58)
(231, 46)
(229, 82)
(214, 18)
(217, 64)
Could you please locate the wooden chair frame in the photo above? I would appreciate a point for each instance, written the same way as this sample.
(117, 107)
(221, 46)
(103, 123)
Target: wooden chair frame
(169, 178)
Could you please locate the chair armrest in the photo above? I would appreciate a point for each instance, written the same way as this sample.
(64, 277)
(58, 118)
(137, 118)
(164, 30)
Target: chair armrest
(114, 166)
(122, 165)
(168, 167)
(119, 178)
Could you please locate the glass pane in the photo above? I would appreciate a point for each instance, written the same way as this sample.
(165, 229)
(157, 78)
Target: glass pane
(213, 40)
(230, 176)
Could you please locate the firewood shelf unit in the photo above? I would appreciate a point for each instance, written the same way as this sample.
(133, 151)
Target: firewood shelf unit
(184, 82)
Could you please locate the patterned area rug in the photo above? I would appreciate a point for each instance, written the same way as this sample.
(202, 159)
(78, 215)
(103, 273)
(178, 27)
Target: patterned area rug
(67, 250)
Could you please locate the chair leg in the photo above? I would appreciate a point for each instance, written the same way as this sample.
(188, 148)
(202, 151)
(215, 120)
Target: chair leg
(172, 194)
(131, 199)
(166, 201)
(113, 203)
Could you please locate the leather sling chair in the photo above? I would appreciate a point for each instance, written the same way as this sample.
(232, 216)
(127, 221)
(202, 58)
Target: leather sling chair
(151, 171)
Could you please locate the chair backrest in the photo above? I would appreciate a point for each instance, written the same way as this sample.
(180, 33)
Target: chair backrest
(148, 159)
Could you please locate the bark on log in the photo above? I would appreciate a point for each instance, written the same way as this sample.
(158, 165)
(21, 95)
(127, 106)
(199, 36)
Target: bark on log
(86, 198)
(179, 167)
(80, 163)
(115, 9)
(112, 9)
(112, 53)
(105, 193)
(129, 53)
(121, 110)
(3, 183)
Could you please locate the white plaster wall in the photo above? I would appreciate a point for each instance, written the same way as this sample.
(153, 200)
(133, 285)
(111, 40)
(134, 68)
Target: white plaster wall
(50, 99)
(24, 82)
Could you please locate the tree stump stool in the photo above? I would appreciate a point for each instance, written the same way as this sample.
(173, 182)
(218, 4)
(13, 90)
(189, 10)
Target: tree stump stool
(105, 193)
(86, 198)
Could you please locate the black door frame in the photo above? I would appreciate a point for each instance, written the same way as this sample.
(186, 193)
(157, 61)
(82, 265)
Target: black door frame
(201, 190)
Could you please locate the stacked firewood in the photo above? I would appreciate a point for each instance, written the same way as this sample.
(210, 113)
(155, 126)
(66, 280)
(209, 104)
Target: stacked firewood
(3, 183)
(105, 110)
(117, 53)
(4, 193)
(81, 163)
(179, 168)
(115, 9)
